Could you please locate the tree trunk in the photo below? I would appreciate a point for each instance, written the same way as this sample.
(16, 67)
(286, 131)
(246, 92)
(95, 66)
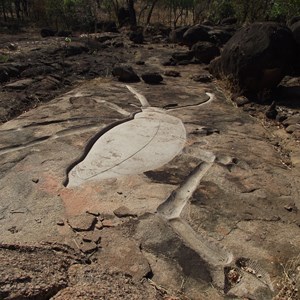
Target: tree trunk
(151, 11)
(132, 15)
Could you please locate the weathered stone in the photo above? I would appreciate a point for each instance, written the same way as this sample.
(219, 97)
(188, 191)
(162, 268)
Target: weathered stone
(60, 223)
(195, 34)
(202, 78)
(229, 21)
(257, 57)
(123, 212)
(204, 52)
(99, 225)
(292, 128)
(183, 56)
(172, 73)
(219, 36)
(293, 120)
(241, 100)
(125, 73)
(295, 27)
(82, 222)
(75, 48)
(137, 37)
(46, 32)
(4, 77)
(92, 236)
(152, 77)
(176, 35)
(20, 84)
(109, 223)
(85, 247)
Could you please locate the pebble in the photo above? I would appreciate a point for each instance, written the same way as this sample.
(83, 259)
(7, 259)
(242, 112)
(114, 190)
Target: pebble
(60, 223)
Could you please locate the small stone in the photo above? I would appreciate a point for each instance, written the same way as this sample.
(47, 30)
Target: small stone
(202, 78)
(82, 222)
(123, 212)
(241, 100)
(35, 180)
(272, 112)
(172, 73)
(85, 247)
(99, 225)
(93, 213)
(290, 207)
(92, 236)
(125, 73)
(60, 223)
(108, 223)
(292, 128)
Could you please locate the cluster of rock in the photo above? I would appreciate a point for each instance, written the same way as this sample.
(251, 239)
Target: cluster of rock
(126, 73)
(88, 227)
(253, 59)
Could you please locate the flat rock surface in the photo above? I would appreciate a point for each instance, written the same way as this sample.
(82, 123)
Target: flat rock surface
(228, 185)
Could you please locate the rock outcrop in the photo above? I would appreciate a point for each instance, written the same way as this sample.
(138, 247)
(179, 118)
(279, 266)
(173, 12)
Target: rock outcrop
(257, 57)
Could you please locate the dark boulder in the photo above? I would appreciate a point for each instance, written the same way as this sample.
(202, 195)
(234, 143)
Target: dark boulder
(4, 77)
(137, 37)
(152, 78)
(204, 52)
(176, 35)
(64, 33)
(125, 74)
(157, 29)
(295, 27)
(257, 57)
(220, 36)
(293, 20)
(45, 32)
(229, 21)
(196, 34)
(183, 56)
(75, 48)
(37, 70)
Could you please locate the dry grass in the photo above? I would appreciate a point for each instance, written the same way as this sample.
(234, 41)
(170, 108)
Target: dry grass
(287, 285)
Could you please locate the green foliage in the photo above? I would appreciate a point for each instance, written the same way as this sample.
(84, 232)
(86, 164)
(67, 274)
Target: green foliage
(4, 58)
(283, 9)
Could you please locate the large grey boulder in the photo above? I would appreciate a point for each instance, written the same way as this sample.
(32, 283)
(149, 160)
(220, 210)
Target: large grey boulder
(257, 57)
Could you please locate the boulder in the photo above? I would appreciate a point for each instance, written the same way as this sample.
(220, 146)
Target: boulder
(137, 37)
(45, 32)
(220, 36)
(257, 57)
(176, 35)
(295, 27)
(195, 34)
(75, 48)
(204, 52)
(125, 74)
(157, 29)
(64, 33)
(293, 20)
(152, 78)
(4, 77)
(229, 21)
